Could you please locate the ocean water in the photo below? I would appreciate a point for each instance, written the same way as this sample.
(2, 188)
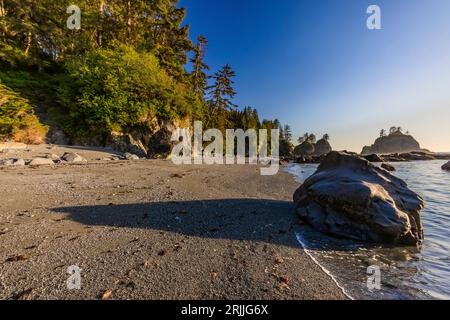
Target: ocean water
(405, 272)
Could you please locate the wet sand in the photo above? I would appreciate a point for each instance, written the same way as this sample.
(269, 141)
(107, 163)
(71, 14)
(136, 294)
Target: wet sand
(152, 230)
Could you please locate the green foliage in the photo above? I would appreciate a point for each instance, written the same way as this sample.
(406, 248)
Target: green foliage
(124, 69)
(117, 89)
(17, 119)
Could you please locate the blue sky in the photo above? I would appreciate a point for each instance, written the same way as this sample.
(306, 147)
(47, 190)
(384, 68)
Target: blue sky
(314, 64)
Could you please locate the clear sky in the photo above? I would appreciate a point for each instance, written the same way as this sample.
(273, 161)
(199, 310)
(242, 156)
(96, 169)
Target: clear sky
(314, 64)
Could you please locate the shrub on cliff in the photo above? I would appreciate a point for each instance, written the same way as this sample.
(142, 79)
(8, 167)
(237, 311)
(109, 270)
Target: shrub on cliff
(17, 119)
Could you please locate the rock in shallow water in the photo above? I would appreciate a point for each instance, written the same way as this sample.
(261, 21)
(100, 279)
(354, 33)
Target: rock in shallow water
(388, 167)
(350, 197)
(446, 166)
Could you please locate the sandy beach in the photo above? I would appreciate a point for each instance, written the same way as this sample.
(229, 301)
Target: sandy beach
(148, 229)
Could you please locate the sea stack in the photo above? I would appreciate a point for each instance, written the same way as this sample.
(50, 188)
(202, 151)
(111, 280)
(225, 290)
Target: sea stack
(395, 142)
(349, 197)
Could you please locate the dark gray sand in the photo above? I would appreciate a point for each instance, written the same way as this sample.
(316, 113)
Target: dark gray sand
(153, 230)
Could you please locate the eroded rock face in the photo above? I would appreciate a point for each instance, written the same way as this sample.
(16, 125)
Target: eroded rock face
(350, 197)
(130, 142)
(304, 149)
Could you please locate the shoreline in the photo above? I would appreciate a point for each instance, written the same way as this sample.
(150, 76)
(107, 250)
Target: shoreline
(151, 230)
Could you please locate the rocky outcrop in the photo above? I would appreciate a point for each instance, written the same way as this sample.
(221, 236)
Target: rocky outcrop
(305, 149)
(373, 158)
(129, 142)
(322, 147)
(152, 141)
(446, 166)
(393, 143)
(350, 197)
(417, 156)
(130, 156)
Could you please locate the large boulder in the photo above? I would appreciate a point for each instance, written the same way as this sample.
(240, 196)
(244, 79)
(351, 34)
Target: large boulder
(73, 158)
(322, 147)
(446, 166)
(41, 162)
(350, 197)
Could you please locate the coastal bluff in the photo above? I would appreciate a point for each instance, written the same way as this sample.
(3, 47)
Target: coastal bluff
(395, 142)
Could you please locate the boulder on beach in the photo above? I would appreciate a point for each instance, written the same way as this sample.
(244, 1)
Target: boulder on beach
(6, 162)
(349, 197)
(388, 167)
(73, 158)
(41, 162)
(130, 156)
(19, 163)
(446, 166)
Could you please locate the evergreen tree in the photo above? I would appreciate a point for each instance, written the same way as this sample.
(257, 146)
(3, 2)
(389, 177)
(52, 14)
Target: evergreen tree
(287, 133)
(198, 75)
(221, 94)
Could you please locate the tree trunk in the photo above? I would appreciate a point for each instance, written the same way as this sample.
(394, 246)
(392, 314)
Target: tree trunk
(129, 19)
(2, 9)
(100, 23)
(28, 42)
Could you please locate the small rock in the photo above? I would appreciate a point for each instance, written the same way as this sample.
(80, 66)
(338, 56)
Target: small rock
(279, 260)
(52, 156)
(6, 162)
(107, 294)
(23, 295)
(19, 163)
(130, 156)
(388, 167)
(17, 258)
(73, 158)
(41, 162)
(446, 166)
